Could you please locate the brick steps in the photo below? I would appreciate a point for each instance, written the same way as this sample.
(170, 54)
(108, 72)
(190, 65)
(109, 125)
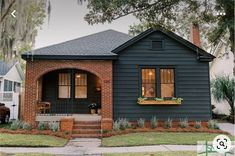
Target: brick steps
(86, 129)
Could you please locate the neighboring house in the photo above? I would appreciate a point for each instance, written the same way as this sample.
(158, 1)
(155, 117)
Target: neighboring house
(114, 69)
(222, 65)
(11, 77)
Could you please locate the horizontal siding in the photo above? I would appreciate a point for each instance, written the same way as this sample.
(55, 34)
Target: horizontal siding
(192, 81)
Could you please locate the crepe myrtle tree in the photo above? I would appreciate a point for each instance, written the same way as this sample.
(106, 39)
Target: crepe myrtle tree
(222, 88)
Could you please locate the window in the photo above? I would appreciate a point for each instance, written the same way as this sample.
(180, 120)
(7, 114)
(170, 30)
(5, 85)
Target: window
(7, 85)
(167, 82)
(80, 85)
(148, 82)
(64, 85)
(16, 87)
(157, 44)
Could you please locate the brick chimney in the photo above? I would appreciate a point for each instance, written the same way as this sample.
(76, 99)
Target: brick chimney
(195, 34)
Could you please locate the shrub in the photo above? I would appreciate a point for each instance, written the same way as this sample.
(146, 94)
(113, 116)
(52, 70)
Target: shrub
(198, 124)
(26, 126)
(116, 126)
(54, 126)
(168, 123)
(212, 124)
(104, 131)
(140, 123)
(153, 122)
(42, 125)
(16, 124)
(183, 123)
(124, 123)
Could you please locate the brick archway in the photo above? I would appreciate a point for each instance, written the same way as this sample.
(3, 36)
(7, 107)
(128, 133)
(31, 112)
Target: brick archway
(36, 69)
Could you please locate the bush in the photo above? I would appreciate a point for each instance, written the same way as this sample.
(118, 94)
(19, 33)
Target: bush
(26, 126)
(16, 124)
(212, 124)
(42, 125)
(116, 126)
(54, 126)
(168, 123)
(198, 124)
(153, 122)
(124, 123)
(140, 123)
(183, 123)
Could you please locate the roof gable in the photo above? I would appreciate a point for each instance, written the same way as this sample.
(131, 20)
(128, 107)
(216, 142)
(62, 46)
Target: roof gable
(202, 55)
(5, 67)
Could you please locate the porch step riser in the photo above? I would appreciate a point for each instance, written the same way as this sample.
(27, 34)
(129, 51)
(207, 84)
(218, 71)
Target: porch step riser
(86, 129)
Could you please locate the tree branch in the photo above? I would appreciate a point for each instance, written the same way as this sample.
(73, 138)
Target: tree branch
(7, 11)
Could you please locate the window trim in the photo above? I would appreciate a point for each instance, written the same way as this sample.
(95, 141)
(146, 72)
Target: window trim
(158, 78)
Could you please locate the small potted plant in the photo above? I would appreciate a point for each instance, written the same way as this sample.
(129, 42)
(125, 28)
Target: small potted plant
(99, 109)
(93, 107)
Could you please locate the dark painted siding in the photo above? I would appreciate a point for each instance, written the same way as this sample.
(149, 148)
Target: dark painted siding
(72, 105)
(192, 81)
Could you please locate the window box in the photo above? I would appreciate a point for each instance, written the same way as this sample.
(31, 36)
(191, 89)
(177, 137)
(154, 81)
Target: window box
(159, 101)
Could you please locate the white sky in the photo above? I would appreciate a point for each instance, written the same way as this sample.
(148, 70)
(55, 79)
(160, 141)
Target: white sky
(67, 23)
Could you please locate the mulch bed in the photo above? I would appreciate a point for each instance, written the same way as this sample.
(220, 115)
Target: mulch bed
(36, 132)
(160, 129)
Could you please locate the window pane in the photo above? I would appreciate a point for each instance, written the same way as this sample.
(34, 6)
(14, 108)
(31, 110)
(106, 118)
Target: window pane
(80, 85)
(148, 82)
(7, 85)
(81, 92)
(167, 82)
(64, 85)
(64, 91)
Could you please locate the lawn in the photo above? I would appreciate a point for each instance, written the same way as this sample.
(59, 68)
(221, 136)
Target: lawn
(174, 153)
(157, 138)
(31, 140)
(7, 125)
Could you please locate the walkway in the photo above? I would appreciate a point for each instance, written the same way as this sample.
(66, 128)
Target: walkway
(228, 127)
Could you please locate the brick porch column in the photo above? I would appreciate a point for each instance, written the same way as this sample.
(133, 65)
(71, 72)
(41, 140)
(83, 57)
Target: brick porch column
(107, 99)
(29, 108)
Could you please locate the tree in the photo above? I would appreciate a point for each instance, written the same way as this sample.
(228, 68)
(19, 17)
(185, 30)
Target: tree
(17, 32)
(216, 17)
(223, 89)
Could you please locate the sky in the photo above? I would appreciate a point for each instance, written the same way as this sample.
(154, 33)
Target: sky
(67, 22)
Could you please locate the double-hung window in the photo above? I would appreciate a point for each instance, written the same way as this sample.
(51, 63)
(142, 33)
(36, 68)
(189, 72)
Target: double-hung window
(157, 82)
(64, 85)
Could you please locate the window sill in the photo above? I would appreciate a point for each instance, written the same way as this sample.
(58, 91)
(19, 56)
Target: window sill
(159, 102)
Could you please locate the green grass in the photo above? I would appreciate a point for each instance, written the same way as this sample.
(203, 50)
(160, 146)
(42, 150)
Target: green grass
(31, 140)
(25, 154)
(157, 138)
(172, 153)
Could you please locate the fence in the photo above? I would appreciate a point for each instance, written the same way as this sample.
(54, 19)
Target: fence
(11, 100)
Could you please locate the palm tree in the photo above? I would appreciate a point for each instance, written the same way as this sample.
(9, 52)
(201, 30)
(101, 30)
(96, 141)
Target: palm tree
(223, 89)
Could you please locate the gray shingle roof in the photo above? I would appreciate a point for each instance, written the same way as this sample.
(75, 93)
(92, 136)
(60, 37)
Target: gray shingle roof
(98, 44)
(5, 67)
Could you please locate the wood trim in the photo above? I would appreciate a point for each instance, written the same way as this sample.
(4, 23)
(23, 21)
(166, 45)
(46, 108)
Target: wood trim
(160, 102)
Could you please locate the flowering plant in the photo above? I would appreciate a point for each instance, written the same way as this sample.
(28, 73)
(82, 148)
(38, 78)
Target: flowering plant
(93, 106)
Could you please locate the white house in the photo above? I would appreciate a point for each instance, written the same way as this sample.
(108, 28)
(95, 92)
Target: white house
(221, 65)
(11, 77)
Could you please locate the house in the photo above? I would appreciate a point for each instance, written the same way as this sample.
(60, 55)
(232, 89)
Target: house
(115, 69)
(222, 65)
(11, 77)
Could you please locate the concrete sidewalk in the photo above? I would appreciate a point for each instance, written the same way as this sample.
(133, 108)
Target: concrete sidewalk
(72, 150)
(227, 127)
